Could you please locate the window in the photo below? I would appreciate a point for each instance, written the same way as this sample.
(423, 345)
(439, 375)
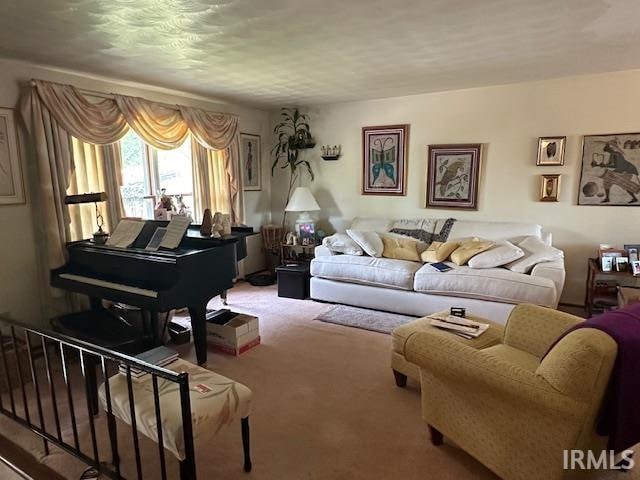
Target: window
(146, 171)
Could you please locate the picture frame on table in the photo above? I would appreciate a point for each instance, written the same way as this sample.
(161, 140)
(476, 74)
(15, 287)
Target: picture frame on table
(609, 172)
(384, 160)
(551, 151)
(251, 161)
(11, 180)
(453, 176)
(549, 187)
(635, 268)
(633, 251)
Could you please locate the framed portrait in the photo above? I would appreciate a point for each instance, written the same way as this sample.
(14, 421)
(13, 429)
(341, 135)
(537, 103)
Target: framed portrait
(551, 151)
(453, 173)
(11, 185)
(251, 161)
(550, 188)
(384, 160)
(609, 172)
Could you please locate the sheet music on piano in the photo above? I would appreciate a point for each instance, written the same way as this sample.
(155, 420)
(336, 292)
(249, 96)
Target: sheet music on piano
(175, 231)
(125, 233)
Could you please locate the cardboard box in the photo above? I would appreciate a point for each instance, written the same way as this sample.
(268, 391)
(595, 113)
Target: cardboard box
(236, 335)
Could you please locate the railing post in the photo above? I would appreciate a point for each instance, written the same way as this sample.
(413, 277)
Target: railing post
(188, 465)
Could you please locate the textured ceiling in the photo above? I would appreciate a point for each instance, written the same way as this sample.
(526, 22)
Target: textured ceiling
(276, 52)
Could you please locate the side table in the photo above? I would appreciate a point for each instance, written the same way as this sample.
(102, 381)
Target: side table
(602, 287)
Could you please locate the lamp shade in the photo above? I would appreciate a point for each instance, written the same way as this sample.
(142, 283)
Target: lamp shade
(302, 201)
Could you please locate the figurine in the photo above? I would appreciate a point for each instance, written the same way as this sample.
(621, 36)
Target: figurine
(207, 224)
(217, 227)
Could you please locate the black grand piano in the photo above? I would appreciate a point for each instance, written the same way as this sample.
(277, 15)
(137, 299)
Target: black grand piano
(156, 281)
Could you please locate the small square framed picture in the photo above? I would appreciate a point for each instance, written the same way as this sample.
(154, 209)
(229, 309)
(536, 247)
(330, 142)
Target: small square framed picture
(635, 268)
(550, 188)
(550, 151)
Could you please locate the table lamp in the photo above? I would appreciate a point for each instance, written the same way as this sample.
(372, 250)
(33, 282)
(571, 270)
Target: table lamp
(100, 236)
(302, 201)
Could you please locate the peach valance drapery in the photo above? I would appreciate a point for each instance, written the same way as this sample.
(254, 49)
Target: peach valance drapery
(50, 107)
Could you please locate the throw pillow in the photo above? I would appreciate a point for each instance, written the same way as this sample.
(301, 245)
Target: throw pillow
(370, 242)
(466, 250)
(400, 248)
(342, 243)
(500, 254)
(536, 251)
(438, 251)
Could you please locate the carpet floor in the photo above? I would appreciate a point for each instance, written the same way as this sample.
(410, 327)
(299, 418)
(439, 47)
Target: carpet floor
(325, 407)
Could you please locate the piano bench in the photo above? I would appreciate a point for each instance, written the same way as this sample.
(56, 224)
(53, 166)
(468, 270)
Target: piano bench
(215, 401)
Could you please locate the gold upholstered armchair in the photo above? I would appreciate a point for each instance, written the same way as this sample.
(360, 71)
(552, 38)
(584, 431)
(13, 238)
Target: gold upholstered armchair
(508, 407)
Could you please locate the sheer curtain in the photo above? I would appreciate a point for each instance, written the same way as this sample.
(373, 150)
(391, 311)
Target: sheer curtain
(96, 168)
(210, 180)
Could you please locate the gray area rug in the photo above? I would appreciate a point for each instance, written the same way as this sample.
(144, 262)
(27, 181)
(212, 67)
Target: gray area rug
(373, 320)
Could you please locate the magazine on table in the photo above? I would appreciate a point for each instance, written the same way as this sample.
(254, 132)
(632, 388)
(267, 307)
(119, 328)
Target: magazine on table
(460, 326)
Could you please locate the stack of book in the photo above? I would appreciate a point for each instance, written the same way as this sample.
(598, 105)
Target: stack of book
(460, 326)
(159, 356)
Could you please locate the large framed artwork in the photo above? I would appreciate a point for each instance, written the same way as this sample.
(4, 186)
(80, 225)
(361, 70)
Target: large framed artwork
(610, 165)
(251, 161)
(384, 160)
(453, 173)
(11, 186)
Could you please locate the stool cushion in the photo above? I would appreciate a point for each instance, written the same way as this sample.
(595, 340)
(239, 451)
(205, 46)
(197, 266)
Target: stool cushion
(225, 402)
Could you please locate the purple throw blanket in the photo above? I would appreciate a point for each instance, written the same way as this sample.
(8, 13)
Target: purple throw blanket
(620, 412)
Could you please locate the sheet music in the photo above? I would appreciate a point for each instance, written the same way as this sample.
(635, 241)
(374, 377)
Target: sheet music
(125, 233)
(175, 231)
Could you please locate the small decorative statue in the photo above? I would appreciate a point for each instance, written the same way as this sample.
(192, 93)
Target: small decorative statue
(207, 224)
(217, 228)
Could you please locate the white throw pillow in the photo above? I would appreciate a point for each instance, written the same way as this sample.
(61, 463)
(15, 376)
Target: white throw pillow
(536, 251)
(342, 243)
(501, 253)
(370, 242)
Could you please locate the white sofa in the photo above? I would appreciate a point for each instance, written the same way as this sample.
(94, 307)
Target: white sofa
(411, 288)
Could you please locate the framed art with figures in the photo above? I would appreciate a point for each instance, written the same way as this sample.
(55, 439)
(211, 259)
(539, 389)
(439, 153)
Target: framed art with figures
(384, 160)
(609, 174)
(11, 185)
(550, 151)
(453, 174)
(251, 162)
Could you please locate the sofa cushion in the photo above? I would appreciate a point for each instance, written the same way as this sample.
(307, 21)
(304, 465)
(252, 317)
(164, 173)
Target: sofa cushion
(370, 242)
(500, 254)
(382, 272)
(438, 251)
(342, 243)
(469, 249)
(536, 251)
(493, 284)
(400, 248)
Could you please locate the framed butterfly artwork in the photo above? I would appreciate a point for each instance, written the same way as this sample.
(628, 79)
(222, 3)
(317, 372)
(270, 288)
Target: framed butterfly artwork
(384, 160)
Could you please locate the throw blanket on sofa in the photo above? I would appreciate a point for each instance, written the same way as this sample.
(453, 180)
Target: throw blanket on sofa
(620, 412)
(423, 234)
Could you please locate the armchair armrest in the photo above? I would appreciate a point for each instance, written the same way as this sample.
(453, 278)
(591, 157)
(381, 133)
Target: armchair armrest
(322, 251)
(534, 329)
(460, 364)
(554, 271)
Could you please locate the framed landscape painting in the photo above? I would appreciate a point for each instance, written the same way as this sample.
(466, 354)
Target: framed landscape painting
(11, 186)
(250, 161)
(453, 172)
(384, 160)
(610, 165)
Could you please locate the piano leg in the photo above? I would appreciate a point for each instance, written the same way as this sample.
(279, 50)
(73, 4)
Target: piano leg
(199, 329)
(223, 297)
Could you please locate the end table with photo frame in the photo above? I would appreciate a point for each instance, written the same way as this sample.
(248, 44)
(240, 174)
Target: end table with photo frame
(296, 253)
(602, 287)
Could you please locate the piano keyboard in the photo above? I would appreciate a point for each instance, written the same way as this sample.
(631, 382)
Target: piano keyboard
(112, 285)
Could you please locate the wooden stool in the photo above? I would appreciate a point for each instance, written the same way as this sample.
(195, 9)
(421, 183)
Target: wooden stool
(215, 401)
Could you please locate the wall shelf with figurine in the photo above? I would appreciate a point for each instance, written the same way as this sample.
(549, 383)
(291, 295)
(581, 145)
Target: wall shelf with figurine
(329, 153)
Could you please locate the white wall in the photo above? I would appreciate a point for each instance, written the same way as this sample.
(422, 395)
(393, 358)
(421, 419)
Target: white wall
(508, 120)
(20, 278)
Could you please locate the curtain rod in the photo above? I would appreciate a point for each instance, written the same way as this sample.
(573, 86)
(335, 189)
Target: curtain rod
(111, 96)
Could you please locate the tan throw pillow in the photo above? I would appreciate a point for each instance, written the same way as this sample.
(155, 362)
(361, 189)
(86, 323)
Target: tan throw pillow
(466, 250)
(438, 251)
(400, 248)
